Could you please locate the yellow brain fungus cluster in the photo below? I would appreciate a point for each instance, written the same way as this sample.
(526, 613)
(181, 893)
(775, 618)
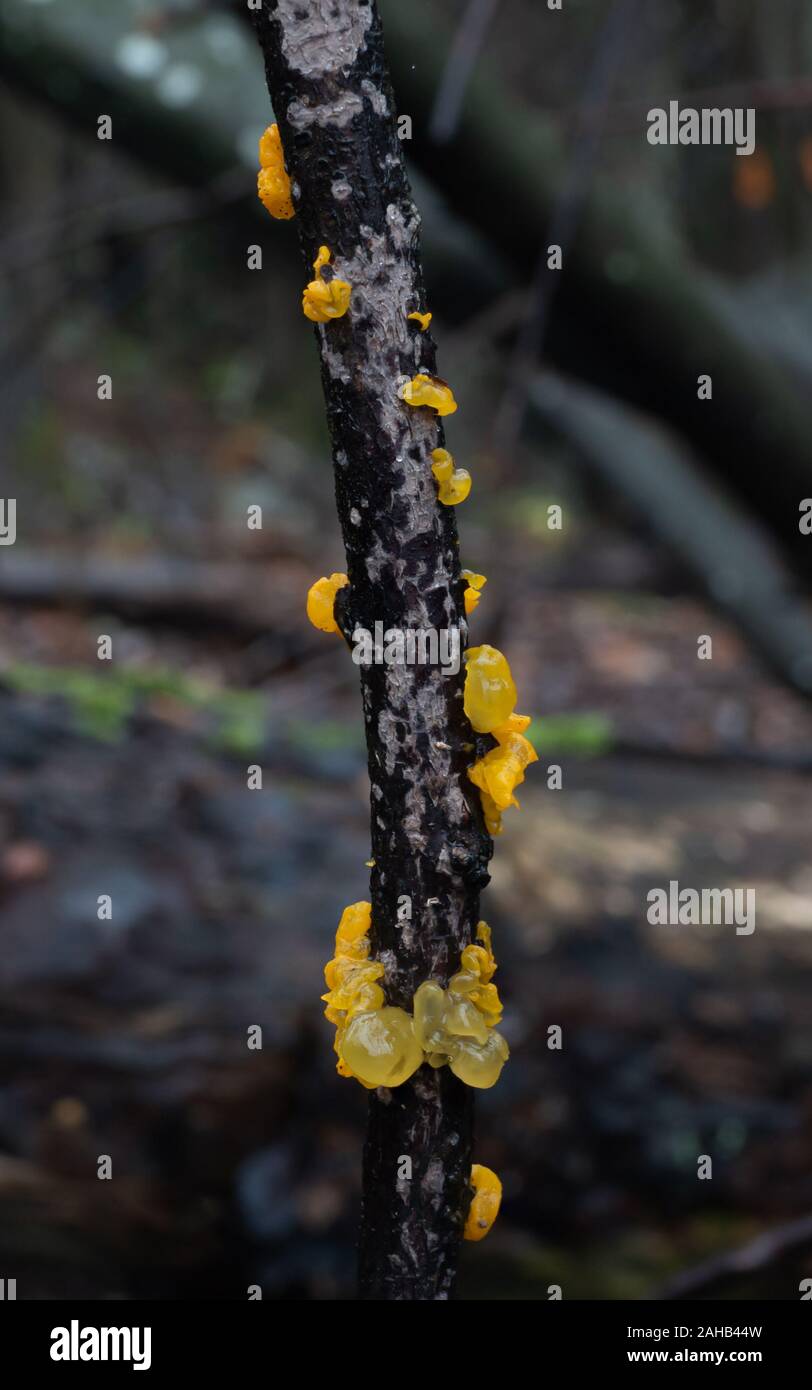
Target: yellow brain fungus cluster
(454, 483)
(429, 391)
(423, 319)
(375, 1043)
(273, 184)
(325, 299)
(457, 1025)
(472, 595)
(490, 697)
(485, 1202)
(321, 598)
(381, 1045)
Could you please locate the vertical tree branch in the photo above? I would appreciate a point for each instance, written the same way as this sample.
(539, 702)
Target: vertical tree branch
(331, 94)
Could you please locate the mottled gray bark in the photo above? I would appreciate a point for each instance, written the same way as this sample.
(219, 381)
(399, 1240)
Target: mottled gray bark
(331, 95)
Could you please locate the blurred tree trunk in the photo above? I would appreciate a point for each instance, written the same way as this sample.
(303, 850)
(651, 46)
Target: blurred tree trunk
(330, 91)
(633, 314)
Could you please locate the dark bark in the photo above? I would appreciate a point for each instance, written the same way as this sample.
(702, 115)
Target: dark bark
(332, 99)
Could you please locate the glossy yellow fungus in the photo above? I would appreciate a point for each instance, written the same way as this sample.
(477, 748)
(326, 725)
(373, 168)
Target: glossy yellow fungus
(379, 1047)
(325, 299)
(490, 694)
(457, 1025)
(454, 483)
(423, 319)
(431, 391)
(492, 814)
(273, 184)
(485, 1202)
(474, 583)
(321, 598)
(375, 1042)
(503, 768)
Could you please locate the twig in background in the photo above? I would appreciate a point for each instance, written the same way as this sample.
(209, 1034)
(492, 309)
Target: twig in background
(464, 52)
(610, 53)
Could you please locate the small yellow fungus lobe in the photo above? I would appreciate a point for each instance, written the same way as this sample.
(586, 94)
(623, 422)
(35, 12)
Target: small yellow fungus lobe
(490, 694)
(374, 1042)
(503, 768)
(431, 391)
(273, 184)
(454, 483)
(321, 598)
(458, 1025)
(423, 319)
(485, 1202)
(325, 299)
(475, 582)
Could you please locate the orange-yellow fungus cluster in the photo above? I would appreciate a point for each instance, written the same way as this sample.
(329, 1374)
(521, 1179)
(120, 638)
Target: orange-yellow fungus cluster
(273, 184)
(321, 598)
(485, 1202)
(431, 391)
(457, 1026)
(381, 1045)
(423, 319)
(472, 594)
(454, 483)
(490, 699)
(325, 299)
(375, 1043)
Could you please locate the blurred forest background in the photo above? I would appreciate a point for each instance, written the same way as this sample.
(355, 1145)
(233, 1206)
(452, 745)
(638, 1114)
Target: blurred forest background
(234, 1167)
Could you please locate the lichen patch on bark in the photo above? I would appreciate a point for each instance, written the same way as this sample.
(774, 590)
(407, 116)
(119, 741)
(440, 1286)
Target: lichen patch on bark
(319, 36)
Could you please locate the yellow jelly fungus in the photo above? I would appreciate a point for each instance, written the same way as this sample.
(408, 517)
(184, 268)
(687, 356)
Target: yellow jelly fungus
(380, 1048)
(480, 1066)
(503, 768)
(351, 979)
(321, 598)
(381, 1045)
(492, 814)
(490, 694)
(457, 1025)
(485, 1202)
(475, 582)
(423, 319)
(455, 483)
(431, 391)
(325, 299)
(273, 184)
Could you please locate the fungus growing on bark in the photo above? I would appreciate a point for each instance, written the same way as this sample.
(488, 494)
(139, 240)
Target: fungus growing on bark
(472, 595)
(490, 694)
(454, 483)
(502, 769)
(273, 184)
(432, 391)
(337, 117)
(485, 1202)
(322, 299)
(457, 1025)
(321, 598)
